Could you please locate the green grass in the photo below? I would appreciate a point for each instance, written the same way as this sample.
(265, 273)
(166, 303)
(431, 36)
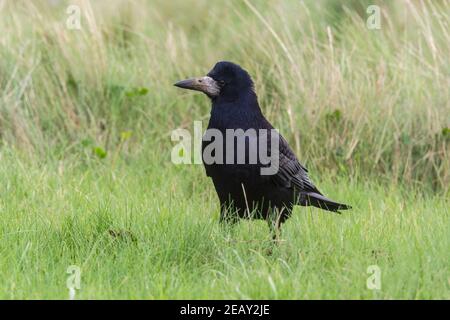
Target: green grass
(57, 215)
(85, 123)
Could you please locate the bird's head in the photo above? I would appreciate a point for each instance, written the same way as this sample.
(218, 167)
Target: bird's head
(226, 80)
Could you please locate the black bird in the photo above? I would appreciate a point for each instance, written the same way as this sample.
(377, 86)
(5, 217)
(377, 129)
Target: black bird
(244, 192)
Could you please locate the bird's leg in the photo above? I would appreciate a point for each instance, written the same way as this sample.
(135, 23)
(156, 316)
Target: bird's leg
(228, 216)
(275, 222)
(276, 231)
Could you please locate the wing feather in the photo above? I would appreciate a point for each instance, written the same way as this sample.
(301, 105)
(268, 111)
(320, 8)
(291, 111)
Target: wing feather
(291, 173)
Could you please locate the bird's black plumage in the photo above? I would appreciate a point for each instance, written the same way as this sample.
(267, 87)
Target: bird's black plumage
(243, 192)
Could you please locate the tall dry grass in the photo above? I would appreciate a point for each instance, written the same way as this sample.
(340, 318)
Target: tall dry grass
(369, 103)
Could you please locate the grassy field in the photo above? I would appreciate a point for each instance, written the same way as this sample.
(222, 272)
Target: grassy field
(166, 241)
(85, 170)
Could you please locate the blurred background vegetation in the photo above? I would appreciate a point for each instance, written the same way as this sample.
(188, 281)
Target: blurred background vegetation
(352, 101)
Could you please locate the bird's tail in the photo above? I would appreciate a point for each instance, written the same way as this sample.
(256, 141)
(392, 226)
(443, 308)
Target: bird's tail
(322, 202)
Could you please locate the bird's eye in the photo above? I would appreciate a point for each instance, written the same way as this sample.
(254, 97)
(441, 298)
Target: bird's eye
(221, 82)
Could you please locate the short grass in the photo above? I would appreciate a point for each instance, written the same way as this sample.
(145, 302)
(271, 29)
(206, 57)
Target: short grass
(147, 229)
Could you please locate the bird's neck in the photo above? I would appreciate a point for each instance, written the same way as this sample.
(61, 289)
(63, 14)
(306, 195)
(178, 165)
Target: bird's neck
(241, 112)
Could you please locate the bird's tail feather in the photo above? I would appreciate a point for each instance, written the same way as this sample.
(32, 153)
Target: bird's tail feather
(322, 202)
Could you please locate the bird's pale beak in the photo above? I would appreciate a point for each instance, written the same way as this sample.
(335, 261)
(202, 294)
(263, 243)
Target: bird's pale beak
(204, 84)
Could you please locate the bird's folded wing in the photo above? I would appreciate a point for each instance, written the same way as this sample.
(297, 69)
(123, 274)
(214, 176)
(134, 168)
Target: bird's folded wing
(291, 174)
